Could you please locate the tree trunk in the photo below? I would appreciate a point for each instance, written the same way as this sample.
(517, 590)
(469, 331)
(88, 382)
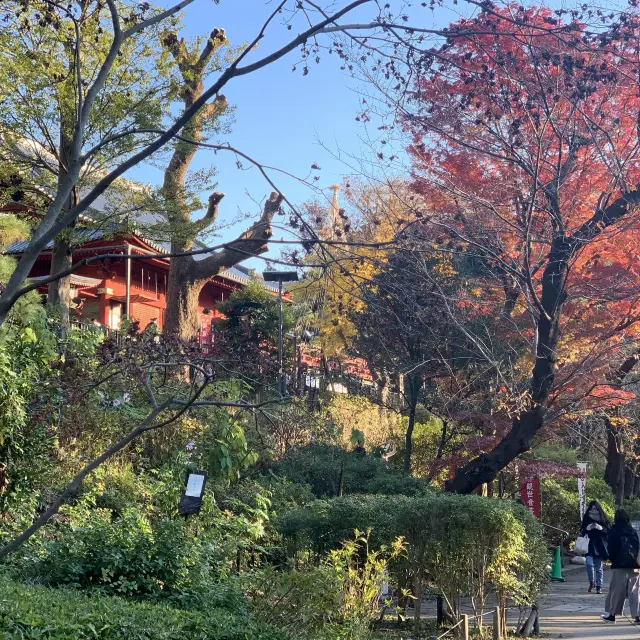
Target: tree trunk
(382, 384)
(182, 315)
(629, 478)
(408, 440)
(486, 467)
(616, 455)
(412, 386)
(620, 490)
(59, 292)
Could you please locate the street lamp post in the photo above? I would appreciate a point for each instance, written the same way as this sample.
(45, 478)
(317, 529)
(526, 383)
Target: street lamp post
(280, 277)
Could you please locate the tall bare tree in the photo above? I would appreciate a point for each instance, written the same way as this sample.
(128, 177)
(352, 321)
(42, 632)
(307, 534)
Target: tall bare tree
(187, 275)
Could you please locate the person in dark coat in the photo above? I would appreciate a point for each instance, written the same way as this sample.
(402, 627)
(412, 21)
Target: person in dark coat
(624, 546)
(596, 527)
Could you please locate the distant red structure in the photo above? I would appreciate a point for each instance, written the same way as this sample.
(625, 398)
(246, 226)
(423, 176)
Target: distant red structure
(107, 290)
(312, 360)
(112, 288)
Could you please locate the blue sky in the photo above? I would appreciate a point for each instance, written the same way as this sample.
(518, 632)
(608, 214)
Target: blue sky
(280, 116)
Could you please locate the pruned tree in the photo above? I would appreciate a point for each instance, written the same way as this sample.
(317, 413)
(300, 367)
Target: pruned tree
(187, 275)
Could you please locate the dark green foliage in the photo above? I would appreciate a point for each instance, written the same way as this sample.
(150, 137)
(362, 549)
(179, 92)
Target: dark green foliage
(247, 339)
(560, 506)
(40, 613)
(321, 465)
(323, 524)
(128, 556)
(28, 397)
(252, 314)
(454, 544)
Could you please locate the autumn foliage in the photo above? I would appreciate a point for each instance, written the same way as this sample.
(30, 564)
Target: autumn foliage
(525, 150)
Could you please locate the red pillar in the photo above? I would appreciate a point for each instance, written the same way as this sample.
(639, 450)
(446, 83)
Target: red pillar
(105, 305)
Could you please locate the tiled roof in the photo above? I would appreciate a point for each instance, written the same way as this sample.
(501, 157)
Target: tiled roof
(31, 148)
(80, 235)
(238, 273)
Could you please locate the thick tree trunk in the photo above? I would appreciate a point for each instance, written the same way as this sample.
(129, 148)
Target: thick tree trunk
(614, 471)
(182, 315)
(59, 292)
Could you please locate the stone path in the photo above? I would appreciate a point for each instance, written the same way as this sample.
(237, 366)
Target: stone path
(568, 611)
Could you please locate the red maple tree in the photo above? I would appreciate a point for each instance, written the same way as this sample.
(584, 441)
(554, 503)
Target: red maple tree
(526, 150)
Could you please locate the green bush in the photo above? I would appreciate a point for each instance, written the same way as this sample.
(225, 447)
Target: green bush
(321, 465)
(301, 602)
(560, 506)
(454, 544)
(41, 613)
(338, 599)
(127, 556)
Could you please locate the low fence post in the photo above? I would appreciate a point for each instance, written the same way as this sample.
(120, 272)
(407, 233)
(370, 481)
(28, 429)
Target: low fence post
(439, 611)
(497, 627)
(465, 627)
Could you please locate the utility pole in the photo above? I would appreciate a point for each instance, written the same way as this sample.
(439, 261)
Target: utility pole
(280, 277)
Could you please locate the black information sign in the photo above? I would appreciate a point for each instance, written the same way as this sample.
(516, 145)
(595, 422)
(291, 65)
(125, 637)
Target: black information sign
(191, 499)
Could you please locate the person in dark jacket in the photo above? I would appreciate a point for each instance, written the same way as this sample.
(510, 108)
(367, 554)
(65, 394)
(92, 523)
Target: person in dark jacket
(596, 527)
(624, 547)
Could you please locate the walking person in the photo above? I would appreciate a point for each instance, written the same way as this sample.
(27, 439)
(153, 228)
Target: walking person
(624, 547)
(596, 527)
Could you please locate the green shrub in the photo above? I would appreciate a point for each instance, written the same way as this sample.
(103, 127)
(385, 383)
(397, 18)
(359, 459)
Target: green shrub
(633, 509)
(127, 556)
(321, 465)
(338, 599)
(322, 525)
(301, 602)
(454, 544)
(560, 506)
(41, 613)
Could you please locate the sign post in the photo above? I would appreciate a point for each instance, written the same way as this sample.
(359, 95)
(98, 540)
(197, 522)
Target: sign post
(191, 500)
(582, 487)
(530, 494)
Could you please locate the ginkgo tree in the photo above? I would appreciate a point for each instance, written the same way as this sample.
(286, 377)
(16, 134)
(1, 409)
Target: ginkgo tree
(353, 243)
(526, 153)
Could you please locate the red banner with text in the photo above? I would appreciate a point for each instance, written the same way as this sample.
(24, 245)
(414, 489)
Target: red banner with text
(530, 494)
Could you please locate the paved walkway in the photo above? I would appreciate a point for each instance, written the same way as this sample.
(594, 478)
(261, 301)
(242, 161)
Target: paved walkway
(568, 611)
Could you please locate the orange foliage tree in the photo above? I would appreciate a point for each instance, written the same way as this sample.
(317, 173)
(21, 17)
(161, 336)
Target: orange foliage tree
(525, 150)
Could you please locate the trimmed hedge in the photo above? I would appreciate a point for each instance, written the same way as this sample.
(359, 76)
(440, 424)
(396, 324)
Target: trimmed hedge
(320, 466)
(61, 614)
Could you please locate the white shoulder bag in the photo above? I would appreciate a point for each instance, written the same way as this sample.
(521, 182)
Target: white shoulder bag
(581, 547)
